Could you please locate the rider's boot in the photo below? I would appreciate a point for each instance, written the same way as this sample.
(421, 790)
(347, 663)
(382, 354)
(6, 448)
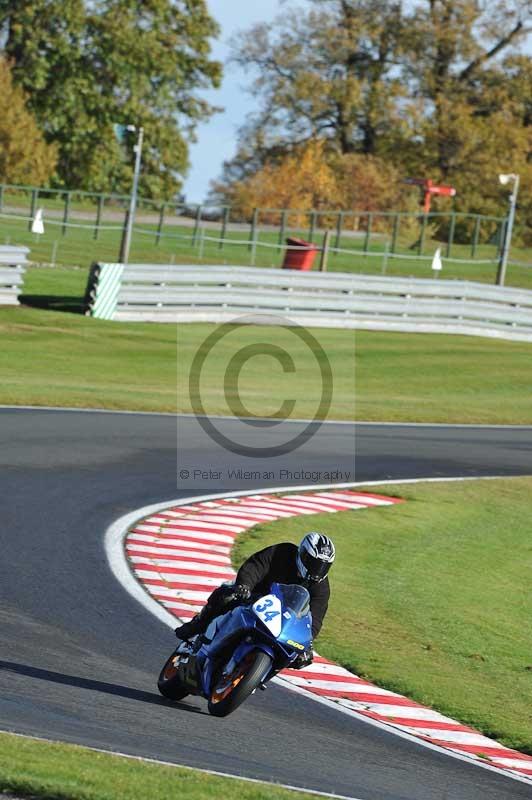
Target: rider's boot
(197, 624)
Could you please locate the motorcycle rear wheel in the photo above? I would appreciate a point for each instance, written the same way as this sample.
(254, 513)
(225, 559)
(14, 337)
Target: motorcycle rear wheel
(168, 683)
(229, 691)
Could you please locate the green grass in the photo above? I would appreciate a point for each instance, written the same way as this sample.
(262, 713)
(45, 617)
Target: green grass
(56, 288)
(78, 247)
(53, 771)
(51, 358)
(429, 378)
(432, 598)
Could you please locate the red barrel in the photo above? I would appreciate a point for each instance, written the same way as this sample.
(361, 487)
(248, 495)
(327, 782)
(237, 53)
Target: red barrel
(299, 259)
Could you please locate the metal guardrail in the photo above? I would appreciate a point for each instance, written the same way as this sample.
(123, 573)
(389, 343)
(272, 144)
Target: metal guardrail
(155, 293)
(12, 267)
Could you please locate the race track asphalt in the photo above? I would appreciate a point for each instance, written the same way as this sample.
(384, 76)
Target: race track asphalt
(79, 657)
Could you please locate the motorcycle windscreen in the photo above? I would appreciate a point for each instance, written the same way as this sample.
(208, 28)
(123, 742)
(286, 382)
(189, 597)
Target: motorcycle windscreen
(297, 619)
(295, 598)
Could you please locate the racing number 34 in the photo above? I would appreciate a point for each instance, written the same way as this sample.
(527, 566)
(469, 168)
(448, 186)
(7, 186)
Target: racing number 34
(263, 609)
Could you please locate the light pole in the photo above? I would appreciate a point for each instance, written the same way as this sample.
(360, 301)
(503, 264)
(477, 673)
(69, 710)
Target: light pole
(505, 180)
(126, 236)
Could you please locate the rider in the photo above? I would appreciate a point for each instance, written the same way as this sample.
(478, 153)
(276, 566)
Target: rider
(306, 565)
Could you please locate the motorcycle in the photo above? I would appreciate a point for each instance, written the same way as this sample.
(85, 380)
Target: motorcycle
(241, 650)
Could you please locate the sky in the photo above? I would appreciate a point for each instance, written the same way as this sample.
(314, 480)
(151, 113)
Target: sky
(217, 137)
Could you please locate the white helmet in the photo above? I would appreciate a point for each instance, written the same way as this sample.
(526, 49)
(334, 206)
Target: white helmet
(315, 556)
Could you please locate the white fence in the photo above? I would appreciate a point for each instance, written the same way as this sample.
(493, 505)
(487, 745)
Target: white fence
(168, 293)
(12, 268)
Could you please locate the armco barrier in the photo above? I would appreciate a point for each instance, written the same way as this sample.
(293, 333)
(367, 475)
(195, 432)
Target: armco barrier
(12, 268)
(155, 293)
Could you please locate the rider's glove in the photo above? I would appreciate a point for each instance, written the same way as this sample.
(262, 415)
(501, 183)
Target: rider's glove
(242, 592)
(303, 659)
(227, 594)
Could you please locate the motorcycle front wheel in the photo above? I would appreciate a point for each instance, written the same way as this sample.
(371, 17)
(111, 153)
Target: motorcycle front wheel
(168, 683)
(229, 691)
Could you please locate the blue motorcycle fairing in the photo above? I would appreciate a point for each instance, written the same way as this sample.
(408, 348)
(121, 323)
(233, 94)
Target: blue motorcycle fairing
(244, 626)
(298, 631)
(238, 622)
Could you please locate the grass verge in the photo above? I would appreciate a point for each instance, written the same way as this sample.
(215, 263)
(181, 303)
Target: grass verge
(50, 358)
(432, 598)
(53, 771)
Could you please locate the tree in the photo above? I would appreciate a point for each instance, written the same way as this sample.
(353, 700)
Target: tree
(302, 180)
(473, 97)
(87, 65)
(364, 73)
(315, 177)
(24, 155)
(374, 78)
(435, 90)
(326, 73)
(369, 183)
(451, 62)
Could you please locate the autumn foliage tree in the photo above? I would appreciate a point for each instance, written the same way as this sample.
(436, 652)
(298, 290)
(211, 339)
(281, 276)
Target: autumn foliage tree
(24, 155)
(437, 89)
(315, 177)
(302, 180)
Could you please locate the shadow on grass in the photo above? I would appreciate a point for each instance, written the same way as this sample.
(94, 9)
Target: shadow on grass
(53, 302)
(94, 685)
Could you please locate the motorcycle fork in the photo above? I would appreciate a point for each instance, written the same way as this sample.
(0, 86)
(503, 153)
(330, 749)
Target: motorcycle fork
(188, 673)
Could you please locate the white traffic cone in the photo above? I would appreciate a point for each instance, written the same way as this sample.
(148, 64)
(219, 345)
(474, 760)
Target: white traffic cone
(37, 226)
(436, 262)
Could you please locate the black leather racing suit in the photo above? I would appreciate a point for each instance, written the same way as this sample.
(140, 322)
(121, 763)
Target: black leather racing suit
(276, 563)
(279, 563)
